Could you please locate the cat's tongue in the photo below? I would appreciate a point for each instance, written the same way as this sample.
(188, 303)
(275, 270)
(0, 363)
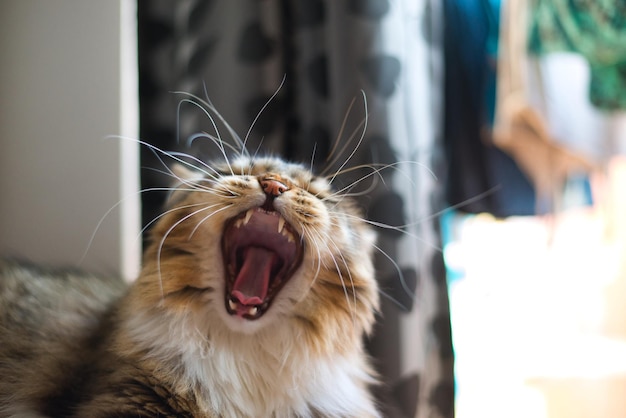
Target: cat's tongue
(253, 280)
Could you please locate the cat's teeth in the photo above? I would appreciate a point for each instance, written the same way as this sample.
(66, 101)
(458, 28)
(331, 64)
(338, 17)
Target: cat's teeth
(287, 235)
(281, 224)
(252, 311)
(244, 221)
(248, 216)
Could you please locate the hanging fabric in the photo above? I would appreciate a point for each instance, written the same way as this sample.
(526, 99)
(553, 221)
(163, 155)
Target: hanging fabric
(520, 127)
(594, 29)
(481, 177)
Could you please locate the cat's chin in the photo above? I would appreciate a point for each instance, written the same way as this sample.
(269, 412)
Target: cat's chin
(261, 251)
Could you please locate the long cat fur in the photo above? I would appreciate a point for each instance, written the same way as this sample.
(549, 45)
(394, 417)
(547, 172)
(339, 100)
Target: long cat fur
(73, 345)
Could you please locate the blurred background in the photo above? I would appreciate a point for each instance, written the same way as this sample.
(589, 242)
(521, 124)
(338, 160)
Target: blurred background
(501, 123)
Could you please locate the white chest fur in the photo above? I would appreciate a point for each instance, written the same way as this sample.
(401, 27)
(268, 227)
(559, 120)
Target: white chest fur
(268, 374)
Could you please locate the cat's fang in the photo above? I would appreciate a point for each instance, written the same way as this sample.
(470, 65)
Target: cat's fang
(232, 305)
(281, 224)
(253, 311)
(249, 214)
(244, 221)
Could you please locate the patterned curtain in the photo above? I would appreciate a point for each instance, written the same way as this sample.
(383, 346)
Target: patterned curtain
(382, 56)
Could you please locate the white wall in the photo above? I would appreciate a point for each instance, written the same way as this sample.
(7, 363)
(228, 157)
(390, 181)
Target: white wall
(67, 80)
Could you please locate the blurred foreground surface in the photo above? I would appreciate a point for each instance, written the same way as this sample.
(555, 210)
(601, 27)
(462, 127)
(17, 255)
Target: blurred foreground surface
(539, 310)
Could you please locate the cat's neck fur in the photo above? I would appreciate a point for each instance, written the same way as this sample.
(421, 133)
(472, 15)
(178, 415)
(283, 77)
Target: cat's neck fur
(231, 372)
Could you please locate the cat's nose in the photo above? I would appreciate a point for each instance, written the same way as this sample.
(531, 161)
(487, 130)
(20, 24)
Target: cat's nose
(273, 187)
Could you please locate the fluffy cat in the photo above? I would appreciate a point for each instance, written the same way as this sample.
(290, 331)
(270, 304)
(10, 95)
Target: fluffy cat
(256, 291)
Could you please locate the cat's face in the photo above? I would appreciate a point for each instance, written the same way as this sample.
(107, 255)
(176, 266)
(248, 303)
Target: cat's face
(258, 242)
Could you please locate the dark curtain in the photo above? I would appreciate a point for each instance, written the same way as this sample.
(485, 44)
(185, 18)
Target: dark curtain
(330, 53)
(477, 167)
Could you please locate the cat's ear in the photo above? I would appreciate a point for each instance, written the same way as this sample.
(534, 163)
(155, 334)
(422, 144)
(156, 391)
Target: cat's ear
(185, 174)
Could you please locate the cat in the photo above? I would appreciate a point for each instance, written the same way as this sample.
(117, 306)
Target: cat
(256, 292)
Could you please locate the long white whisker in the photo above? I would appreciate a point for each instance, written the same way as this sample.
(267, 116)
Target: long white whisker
(346, 191)
(242, 149)
(205, 218)
(258, 115)
(345, 263)
(220, 144)
(308, 183)
(330, 162)
(112, 208)
(400, 228)
(360, 141)
(392, 299)
(351, 308)
(398, 270)
(162, 243)
(156, 218)
(256, 152)
(394, 165)
(376, 170)
(191, 139)
(194, 186)
(316, 246)
(159, 150)
(215, 174)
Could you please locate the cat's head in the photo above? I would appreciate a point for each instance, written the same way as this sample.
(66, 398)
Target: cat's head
(257, 243)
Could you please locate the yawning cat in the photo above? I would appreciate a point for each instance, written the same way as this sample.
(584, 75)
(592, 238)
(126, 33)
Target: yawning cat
(255, 294)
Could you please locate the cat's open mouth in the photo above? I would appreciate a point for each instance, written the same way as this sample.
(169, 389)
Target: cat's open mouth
(261, 252)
